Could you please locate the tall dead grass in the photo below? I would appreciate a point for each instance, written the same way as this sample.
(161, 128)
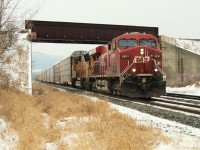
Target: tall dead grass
(4, 79)
(108, 130)
(20, 110)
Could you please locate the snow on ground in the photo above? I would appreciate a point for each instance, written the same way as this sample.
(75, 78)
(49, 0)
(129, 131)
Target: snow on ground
(8, 138)
(72, 122)
(179, 133)
(72, 139)
(189, 90)
(190, 45)
(18, 68)
(51, 146)
(182, 136)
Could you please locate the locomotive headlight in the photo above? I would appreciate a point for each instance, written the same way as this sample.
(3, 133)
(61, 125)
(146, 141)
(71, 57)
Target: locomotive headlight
(156, 70)
(142, 51)
(134, 70)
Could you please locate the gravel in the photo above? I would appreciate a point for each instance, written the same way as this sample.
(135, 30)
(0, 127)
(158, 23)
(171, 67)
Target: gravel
(182, 118)
(162, 113)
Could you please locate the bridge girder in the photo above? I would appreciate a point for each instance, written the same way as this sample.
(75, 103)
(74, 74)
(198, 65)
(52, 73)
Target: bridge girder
(80, 33)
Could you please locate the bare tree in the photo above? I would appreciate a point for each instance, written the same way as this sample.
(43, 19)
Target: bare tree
(8, 12)
(11, 21)
(8, 26)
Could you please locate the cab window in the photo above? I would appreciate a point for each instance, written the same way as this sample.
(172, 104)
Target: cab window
(127, 43)
(147, 42)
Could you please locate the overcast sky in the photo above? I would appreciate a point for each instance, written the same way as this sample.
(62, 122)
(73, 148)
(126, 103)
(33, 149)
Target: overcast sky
(175, 18)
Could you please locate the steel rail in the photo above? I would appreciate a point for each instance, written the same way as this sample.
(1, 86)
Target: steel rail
(177, 106)
(183, 96)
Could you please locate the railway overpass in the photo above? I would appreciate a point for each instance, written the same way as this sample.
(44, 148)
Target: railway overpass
(180, 65)
(80, 33)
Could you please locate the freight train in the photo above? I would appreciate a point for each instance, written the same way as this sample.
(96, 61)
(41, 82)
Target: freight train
(130, 65)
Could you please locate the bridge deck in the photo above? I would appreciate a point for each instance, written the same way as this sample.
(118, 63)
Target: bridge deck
(83, 33)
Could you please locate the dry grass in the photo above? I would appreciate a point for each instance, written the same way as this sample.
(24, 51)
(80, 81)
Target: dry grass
(4, 79)
(105, 128)
(20, 110)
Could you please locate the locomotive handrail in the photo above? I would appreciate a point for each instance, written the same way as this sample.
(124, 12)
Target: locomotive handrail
(161, 71)
(125, 70)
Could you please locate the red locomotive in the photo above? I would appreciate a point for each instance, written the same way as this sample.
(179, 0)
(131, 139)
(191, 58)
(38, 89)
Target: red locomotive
(131, 65)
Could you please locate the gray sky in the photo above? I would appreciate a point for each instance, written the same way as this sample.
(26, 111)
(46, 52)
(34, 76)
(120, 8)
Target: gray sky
(175, 18)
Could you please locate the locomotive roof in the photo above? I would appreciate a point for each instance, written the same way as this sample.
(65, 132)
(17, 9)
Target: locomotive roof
(136, 36)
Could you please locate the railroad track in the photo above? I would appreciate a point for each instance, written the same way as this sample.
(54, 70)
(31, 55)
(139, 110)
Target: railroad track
(177, 105)
(177, 102)
(181, 102)
(183, 96)
(174, 103)
(164, 101)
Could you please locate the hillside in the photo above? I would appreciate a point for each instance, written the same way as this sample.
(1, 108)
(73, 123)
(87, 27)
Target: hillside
(42, 61)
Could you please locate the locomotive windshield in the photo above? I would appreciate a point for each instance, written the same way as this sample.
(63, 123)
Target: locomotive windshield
(150, 43)
(127, 43)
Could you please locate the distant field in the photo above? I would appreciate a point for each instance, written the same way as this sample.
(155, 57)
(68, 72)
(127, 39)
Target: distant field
(63, 120)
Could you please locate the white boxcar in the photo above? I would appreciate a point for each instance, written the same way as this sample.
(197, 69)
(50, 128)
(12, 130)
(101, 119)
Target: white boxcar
(51, 74)
(43, 75)
(48, 75)
(66, 71)
(60, 72)
(57, 73)
(66, 67)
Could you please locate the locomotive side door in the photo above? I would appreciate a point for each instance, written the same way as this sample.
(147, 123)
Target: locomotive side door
(112, 61)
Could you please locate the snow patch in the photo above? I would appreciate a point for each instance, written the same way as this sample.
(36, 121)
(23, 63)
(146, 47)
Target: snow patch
(163, 124)
(46, 120)
(190, 89)
(51, 146)
(180, 133)
(163, 146)
(17, 64)
(190, 45)
(94, 99)
(2, 125)
(73, 140)
(72, 122)
(8, 138)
